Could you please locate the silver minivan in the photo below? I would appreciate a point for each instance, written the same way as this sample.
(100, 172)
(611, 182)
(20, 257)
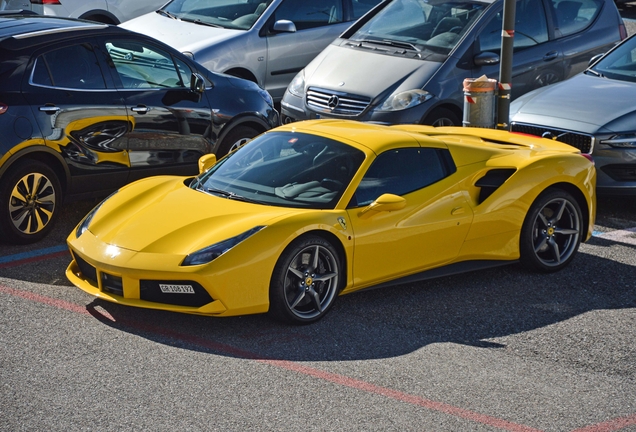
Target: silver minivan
(405, 61)
(267, 42)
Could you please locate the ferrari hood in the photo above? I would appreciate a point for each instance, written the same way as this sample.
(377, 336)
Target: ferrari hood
(570, 104)
(161, 214)
(356, 71)
(182, 35)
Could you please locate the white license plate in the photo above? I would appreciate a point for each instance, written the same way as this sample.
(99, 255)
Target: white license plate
(176, 289)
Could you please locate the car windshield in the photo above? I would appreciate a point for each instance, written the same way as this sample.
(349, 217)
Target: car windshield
(421, 25)
(619, 64)
(285, 169)
(231, 14)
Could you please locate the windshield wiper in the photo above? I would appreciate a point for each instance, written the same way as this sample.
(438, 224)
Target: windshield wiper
(595, 73)
(203, 23)
(392, 43)
(229, 195)
(166, 13)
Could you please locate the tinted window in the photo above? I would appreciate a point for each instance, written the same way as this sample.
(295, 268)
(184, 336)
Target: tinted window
(73, 67)
(531, 27)
(621, 63)
(309, 14)
(143, 66)
(573, 16)
(399, 172)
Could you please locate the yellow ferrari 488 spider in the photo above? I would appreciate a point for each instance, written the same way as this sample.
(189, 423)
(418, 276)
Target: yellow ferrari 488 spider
(311, 210)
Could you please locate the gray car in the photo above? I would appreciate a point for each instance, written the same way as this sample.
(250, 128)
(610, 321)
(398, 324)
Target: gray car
(593, 111)
(267, 42)
(405, 61)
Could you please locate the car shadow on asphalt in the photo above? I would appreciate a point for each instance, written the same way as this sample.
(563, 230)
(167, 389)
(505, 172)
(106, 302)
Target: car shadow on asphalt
(470, 309)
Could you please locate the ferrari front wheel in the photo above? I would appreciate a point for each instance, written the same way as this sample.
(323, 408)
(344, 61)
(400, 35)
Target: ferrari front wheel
(305, 282)
(551, 232)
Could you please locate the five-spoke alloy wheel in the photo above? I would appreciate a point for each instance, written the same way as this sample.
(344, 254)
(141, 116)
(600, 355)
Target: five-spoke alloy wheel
(551, 232)
(306, 281)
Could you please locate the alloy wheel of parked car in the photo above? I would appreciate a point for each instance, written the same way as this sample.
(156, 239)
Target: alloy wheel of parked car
(442, 117)
(305, 282)
(551, 233)
(236, 138)
(29, 200)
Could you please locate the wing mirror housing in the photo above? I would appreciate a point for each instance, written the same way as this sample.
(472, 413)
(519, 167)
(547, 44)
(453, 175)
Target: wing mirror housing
(486, 58)
(385, 203)
(284, 26)
(197, 83)
(206, 162)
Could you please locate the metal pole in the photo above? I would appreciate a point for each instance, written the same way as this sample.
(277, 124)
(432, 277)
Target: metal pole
(505, 64)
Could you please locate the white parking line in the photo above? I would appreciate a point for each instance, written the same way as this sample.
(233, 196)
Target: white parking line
(627, 236)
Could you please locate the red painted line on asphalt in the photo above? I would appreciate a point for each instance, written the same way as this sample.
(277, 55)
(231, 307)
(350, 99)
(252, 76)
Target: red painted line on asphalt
(34, 259)
(608, 426)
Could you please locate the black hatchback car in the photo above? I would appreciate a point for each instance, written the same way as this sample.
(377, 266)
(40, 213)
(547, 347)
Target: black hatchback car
(86, 108)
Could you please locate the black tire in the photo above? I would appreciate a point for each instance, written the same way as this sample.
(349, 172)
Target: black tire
(442, 117)
(552, 232)
(305, 282)
(236, 138)
(30, 199)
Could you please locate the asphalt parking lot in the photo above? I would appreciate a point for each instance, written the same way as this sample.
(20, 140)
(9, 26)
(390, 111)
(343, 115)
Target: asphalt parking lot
(501, 349)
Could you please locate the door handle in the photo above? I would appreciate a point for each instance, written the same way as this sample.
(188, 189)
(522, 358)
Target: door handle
(140, 109)
(550, 56)
(49, 109)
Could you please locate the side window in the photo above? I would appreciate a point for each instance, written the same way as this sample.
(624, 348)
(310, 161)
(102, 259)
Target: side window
(400, 172)
(184, 71)
(309, 14)
(143, 66)
(72, 67)
(360, 7)
(531, 27)
(572, 16)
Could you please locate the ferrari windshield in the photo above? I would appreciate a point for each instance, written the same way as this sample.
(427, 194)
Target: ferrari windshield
(285, 169)
(231, 14)
(421, 25)
(619, 64)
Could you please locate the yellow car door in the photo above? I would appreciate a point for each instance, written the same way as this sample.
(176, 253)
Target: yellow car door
(407, 215)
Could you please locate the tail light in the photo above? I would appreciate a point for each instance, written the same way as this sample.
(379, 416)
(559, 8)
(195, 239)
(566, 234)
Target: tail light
(3, 108)
(46, 2)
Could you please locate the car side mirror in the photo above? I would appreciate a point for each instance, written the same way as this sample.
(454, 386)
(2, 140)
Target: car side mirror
(284, 26)
(206, 162)
(486, 58)
(595, 59)
(197, 83)
(386, 203)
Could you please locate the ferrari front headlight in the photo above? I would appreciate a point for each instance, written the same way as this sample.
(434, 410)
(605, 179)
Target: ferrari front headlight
(211, 253)
(406, 99)
(83, 225)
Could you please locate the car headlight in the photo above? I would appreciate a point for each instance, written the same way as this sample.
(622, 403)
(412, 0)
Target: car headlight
(621, 141)
(83, 225)
(211, 253)
(297, 86)
(405, 100)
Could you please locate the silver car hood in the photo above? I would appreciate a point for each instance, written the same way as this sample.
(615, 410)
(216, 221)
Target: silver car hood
(584, 103)
(363, 72)
(181, 35)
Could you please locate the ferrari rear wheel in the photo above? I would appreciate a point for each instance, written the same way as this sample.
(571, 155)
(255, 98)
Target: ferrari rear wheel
(551, 233)
(305, 282)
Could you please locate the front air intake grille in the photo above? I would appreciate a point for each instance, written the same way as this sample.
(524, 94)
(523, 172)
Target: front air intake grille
(180, 293)
(88, 271)
(621, 173)
(331, 102)
(112, 284)
(583, 142)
